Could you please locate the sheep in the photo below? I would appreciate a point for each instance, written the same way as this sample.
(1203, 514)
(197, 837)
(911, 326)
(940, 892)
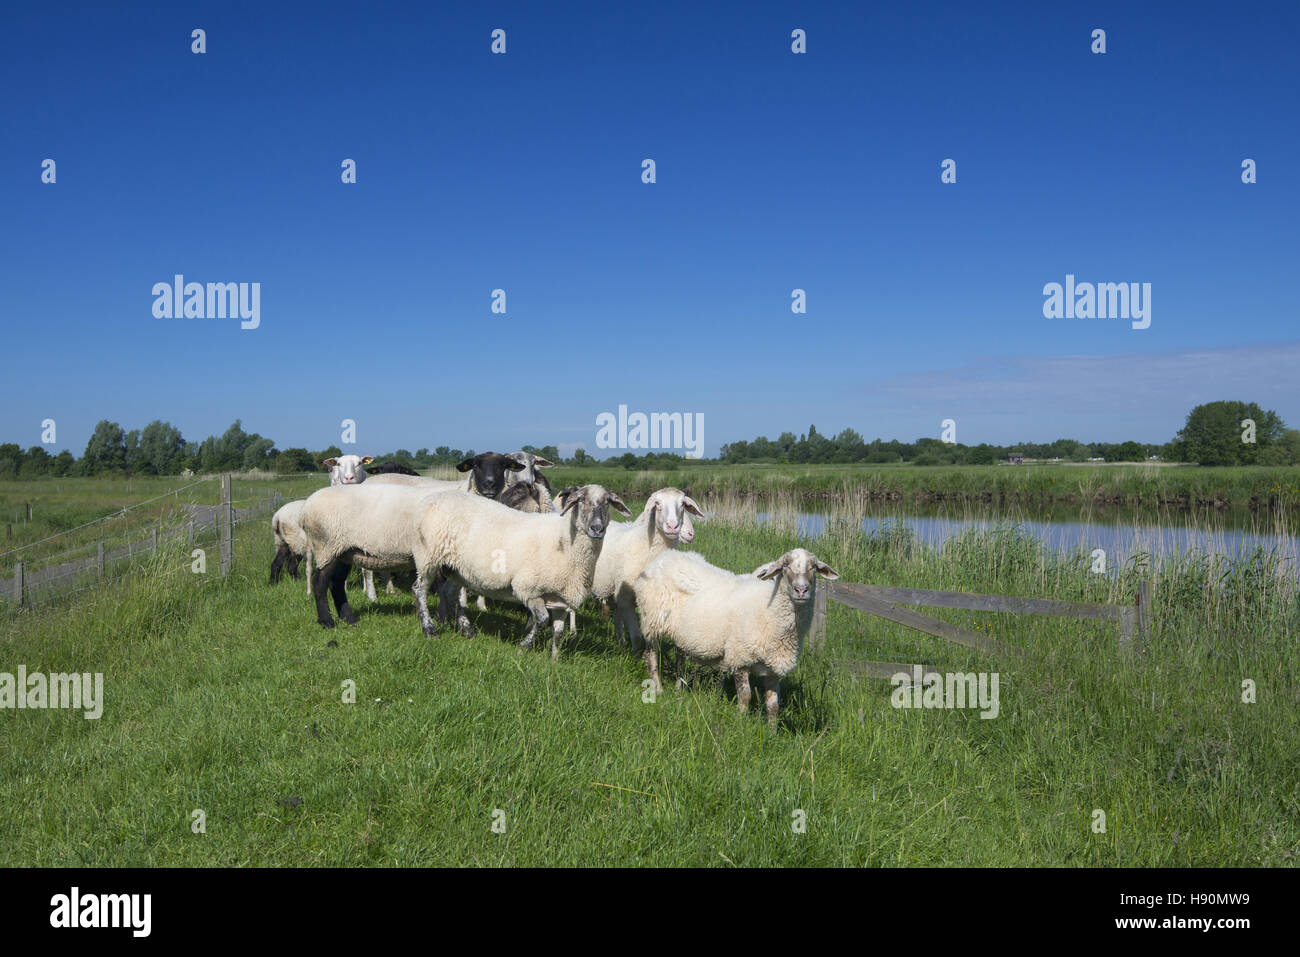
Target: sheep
(347, 469)
(351, 470)
(374, 526)
(390, 468)
(503, 554)
(488, 476)
(630, 546)
(736, 623)
(290, 543)
(524, 497)
(531, 463)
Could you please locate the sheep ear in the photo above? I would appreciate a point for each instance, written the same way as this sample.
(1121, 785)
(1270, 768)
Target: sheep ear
(328, 463)
(689, 504)
(367, 460)
(617, 503)
(569, 498)
(770, 570)
(465, 466)
(542, 463)
(826, 571)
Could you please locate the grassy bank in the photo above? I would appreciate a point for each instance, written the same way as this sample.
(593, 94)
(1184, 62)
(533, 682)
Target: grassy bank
(1144, 486)
(222, 695)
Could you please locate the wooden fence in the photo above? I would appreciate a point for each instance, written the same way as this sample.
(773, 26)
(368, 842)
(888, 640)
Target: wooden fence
(887, 602)
(224, 516)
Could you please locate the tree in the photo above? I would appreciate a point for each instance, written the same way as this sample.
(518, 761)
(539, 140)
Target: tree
(1125, 452)
(11, 460)
(36, 463)
(1214, 434)
(161, 448)
(292, 461)
(106, 450)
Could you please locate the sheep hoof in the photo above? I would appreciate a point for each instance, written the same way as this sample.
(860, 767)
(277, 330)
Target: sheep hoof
(326, 623)
(467, 630)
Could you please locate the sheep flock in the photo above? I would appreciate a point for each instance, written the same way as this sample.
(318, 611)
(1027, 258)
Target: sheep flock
(504, 535)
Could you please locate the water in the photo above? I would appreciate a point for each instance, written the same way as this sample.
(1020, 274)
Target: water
(1121, 541)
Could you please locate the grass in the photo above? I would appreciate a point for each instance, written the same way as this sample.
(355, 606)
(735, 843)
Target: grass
(1146, 486)
(223, 695)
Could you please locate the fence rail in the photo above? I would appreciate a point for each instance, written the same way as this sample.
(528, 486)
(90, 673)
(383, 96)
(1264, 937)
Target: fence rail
(190, 521)
(887, 602)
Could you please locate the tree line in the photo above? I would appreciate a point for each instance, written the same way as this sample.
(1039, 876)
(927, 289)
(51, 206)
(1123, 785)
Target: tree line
(1216, 433)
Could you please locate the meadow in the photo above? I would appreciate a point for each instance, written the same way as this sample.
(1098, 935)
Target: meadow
(222, 695)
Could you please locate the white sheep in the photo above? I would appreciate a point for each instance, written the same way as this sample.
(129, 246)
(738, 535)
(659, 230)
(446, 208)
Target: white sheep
(739, 624)
(630, 546)
(374, 526)
(491, 550)
(290, 543)
(489, 473)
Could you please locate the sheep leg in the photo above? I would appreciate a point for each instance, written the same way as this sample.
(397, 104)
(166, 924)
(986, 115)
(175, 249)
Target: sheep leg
(309, 575)
(339, 591)
(389, 587)
(557, 632)
(771, 696)
(368, 580)
(293, 564)
(680, 658)
(421, 592)
(625, 611)
(482, 603)
(742, 689)
(281, 553)
(537, 608)
(319, 584)
(651, 657)
(573, 619)
(449, 598)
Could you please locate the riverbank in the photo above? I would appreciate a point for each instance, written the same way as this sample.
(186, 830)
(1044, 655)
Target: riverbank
(1141, 486)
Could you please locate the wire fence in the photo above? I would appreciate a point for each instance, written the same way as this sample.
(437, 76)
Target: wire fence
(100, 552)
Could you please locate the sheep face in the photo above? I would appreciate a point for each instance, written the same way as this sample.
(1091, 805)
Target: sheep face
(489, 469)
(531, 463)
(347, 469)
(798, 569)
(671, 509)
(591, 504)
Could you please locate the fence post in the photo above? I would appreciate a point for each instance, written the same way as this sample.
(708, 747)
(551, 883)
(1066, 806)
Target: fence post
(153, 538)
(190, 526)
(18, 584)
(225, 521)
(817, 633)
(9, 530)
(29, 510)
(99, 560)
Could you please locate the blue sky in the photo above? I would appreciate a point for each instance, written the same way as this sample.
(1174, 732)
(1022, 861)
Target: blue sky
(775, 171)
